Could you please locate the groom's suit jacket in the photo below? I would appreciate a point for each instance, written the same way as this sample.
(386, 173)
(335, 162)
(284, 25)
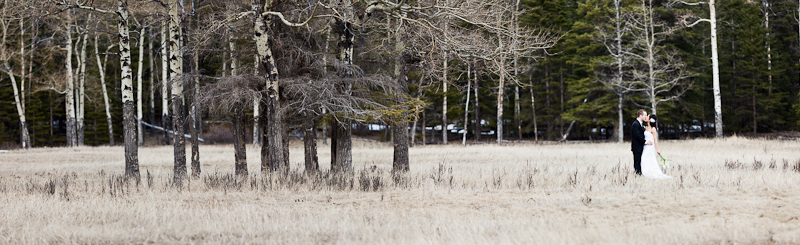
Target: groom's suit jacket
(637, 137)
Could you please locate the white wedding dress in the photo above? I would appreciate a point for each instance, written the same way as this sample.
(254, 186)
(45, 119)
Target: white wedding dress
(650, 168)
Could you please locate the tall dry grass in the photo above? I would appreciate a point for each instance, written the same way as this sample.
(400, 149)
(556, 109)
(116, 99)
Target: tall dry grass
(725, 191)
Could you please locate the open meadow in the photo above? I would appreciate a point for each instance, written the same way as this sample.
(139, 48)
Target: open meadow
(728, 191)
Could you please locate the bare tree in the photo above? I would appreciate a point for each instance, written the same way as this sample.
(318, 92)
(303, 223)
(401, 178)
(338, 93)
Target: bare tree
(712, 19)
(662, 76)
(101, 66)
(612, 39)
(128, 116)
(5, 56)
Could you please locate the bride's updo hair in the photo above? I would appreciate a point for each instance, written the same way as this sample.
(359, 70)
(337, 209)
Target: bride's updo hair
(654, 120)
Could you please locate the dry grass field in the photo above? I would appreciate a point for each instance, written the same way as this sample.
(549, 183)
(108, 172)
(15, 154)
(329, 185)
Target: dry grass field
(732, 191)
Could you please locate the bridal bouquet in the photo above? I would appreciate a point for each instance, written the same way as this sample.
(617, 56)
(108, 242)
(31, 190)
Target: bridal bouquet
(664, 163)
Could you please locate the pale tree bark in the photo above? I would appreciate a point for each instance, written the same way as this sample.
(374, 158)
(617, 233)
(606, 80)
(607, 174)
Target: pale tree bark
(444, 101)
(81, 109)
(500, 97)
(533, 110)
(466, 107)
(5, 56)
(139, 82)
(712, 9)
(768, 44)
(256, 112)
(165, 83)
(102, 68)
(176, 77)
(152, 111)
(477, 109)
(131, 148)
(515, 25)
(72, 134)
(274, 139)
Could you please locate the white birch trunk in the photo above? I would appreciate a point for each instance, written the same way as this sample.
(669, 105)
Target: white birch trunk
(24, 135)
(715, 70)
(101, 67)
(620, 129)
(164, 83)
(466, 108)
(274, 136)
(500, 94)
(152, 81)
(139, 80)
(131, 147)
(176, 73)
(82, 88)
(444, 102)
(72, 139)
(256, 111)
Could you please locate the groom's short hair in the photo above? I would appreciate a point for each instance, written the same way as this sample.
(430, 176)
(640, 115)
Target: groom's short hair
(641, 112)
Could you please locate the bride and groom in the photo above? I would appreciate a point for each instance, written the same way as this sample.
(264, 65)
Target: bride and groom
(644, 144)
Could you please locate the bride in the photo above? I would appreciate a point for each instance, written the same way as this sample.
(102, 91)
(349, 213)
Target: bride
(650, 168)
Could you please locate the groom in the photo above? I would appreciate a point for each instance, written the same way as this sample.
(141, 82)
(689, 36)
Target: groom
(637, 140)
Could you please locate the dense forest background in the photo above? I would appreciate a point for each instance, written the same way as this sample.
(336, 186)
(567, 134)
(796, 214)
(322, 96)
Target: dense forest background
(567, 89)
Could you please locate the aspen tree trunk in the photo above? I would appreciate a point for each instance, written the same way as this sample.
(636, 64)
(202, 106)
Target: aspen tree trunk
(256, 112)
(152, 113)
(620, 130)
(769, 45)
(72, 134)
(444, 102)
(517, 116)
(533, 109)
(715, 70)
(139, 80)
(176, 76)
(165, 122)
(102, 68)
(477, 110)
(24, 135)
(129, 126)
(500, 94)
(196, 121)
(466, 108)
(81, 88)
(424, 129)
(274, 139)
(325, 70)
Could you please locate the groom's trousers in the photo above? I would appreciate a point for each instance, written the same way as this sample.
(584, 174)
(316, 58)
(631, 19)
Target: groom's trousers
(637, 162)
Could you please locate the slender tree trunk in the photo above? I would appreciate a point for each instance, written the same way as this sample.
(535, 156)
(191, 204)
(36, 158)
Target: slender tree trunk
(533, 110)
(500, 95)
(176, 77)
(444, 102)
(256, 113)
(768, 44)
(152, 111)
(81, 88)
(165, 122)
(466, 108)
(275, 131)
(620, 134)
(240, 151)
(715, 70)
(72, 134)
(24, 135)
(196, 121)
(102, 68)
(139, 82)
(129, 126)
(477, 110)
(310, 146)
(424, 128)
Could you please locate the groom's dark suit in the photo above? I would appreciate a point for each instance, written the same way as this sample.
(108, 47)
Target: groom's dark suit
(637, 145)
